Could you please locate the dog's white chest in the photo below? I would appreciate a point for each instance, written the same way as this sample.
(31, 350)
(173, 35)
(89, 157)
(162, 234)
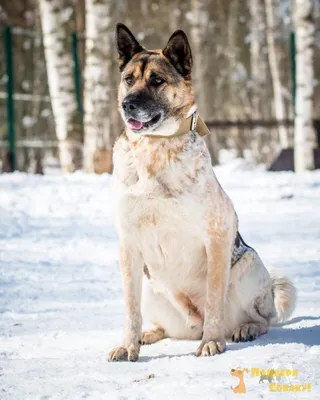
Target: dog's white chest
(168, 233)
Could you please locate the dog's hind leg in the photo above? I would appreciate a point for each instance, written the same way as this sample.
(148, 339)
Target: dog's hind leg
(168, 322)
(250, 304)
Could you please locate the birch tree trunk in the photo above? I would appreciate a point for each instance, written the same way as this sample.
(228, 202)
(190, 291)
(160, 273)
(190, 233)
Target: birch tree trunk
(272, 18)
(55, 20)
(198, 30)
(258, 59)
(260, 91)
(304, 134)
(200, 20)
(97, 107)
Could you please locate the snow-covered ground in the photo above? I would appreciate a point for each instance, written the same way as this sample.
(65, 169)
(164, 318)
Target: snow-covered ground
(62, 306)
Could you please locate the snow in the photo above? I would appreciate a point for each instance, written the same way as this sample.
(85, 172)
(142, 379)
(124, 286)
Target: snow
(62, 306)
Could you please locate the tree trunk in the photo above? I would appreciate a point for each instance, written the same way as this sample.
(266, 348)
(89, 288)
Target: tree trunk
(198, 32)
(304, 134)
(55, 20)
(272, 11)
(200, 20)
(97, 107)
(260, 78)
(259, 60)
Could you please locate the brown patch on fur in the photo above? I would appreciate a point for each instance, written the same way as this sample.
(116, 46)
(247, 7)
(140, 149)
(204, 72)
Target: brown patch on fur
(156, 156)
(166, 189)
(187, 304)
(146, 271)
(175, 151)
(192, 178)
(147, 220)
(156, 162)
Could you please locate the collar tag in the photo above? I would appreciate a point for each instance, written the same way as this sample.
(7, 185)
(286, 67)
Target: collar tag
(194, 120)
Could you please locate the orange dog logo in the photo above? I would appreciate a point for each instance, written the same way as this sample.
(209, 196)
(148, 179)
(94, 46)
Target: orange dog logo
(239, 373)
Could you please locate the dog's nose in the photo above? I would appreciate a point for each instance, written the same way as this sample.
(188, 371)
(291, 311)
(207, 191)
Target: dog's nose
(128, 105)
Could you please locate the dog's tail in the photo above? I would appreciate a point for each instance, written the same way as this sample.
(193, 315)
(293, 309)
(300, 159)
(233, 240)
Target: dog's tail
(284, 296)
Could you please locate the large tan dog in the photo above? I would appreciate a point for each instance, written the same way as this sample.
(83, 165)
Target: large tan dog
(175, 223)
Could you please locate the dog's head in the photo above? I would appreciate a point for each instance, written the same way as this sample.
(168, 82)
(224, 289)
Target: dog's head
(238, 372)
(155, 91)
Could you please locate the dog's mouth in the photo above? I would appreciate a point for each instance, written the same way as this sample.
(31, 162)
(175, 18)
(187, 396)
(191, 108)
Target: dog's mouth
(136, 125)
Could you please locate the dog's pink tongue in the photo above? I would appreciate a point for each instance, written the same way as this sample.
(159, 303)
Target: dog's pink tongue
(134, 124)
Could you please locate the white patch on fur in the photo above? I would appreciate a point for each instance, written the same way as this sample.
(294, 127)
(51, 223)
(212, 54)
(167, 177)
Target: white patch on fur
(285, 296)
(167, 128)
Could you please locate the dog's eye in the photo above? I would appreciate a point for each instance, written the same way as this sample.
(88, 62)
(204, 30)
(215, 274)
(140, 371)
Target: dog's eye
(128, 80)
(156, 80)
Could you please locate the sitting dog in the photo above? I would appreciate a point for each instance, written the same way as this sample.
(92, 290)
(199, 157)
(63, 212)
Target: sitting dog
(175, 223)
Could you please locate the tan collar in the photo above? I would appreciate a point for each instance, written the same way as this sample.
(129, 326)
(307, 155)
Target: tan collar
(192, 123)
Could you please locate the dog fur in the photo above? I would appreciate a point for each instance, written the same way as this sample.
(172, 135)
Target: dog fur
(176, 225)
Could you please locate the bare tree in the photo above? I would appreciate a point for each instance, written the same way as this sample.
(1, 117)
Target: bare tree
(198, 34)
(199, 26)
(304, 134)
(97, 107)
(272, 18)
(258, 59)
(55, 20)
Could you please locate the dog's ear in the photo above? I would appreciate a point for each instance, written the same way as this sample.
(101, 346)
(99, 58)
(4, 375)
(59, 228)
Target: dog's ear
(178, 52)
(127, 45)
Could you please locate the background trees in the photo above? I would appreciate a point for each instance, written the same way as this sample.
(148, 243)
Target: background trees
(97, 80)
(242, 71)
(57, 21)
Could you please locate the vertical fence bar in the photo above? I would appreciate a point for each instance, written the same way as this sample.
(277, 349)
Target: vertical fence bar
(293, 69)
(10, 104)
(77, 73)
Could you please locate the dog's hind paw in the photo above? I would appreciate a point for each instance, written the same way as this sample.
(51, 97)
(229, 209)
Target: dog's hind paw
(122, 353)
(153, 335)
(248, 332)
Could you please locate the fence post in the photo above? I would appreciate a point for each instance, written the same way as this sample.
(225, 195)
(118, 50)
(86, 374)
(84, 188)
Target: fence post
(77, 73)
(10, 88)
(293, 69)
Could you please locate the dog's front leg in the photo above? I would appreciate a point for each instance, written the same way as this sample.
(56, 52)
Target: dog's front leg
(218, 249)
(131, 264)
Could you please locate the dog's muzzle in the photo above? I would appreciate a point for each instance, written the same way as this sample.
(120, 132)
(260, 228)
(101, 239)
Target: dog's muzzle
(140, 112)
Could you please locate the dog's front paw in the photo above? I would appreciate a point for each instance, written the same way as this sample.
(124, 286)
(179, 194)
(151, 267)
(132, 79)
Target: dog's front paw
(122, 353)
(211, 347)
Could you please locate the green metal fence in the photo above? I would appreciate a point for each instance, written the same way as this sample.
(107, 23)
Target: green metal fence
(26, 119)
